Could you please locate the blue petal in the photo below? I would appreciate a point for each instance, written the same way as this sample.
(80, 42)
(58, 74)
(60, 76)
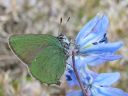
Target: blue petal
(102, 48)
(109, 56)
(89, 60)
(97, 40)
(106, 79)
(96, 27)
(71, 78)
(94, 91)
(79, 61)
(87, 76)
(108, 91)
(95, 60)
(75, 93)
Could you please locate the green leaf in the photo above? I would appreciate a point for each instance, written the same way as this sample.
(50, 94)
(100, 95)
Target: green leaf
(43, 53)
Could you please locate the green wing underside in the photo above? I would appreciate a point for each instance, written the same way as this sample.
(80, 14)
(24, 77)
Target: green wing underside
(43, 53)
(53, 65)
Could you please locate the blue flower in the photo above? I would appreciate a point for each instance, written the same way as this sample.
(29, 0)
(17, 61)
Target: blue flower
(91, 42)
(96, 84)
(93, 59)
(99, 84)
(94, 49)
(82, 64)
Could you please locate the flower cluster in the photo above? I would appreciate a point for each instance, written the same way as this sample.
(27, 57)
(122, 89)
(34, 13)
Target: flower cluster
(93, 49)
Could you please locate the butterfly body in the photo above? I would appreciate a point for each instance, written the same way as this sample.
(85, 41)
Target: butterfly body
(65, 43)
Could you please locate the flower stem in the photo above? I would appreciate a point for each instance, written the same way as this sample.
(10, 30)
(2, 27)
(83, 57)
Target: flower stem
(85, 93)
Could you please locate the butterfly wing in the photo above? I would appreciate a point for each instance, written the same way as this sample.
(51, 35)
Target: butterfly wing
(43, 53)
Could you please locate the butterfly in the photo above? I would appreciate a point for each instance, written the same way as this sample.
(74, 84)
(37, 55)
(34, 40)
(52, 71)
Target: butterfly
(46, 55)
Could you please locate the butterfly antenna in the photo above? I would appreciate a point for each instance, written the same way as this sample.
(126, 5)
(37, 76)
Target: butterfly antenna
(65, 24)
(68, 20)
(60, 26)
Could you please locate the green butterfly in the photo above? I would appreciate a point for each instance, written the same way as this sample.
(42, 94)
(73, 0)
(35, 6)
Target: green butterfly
(44, 54)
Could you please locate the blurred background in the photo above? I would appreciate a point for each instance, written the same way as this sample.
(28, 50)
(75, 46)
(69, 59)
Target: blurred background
(43, 17)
